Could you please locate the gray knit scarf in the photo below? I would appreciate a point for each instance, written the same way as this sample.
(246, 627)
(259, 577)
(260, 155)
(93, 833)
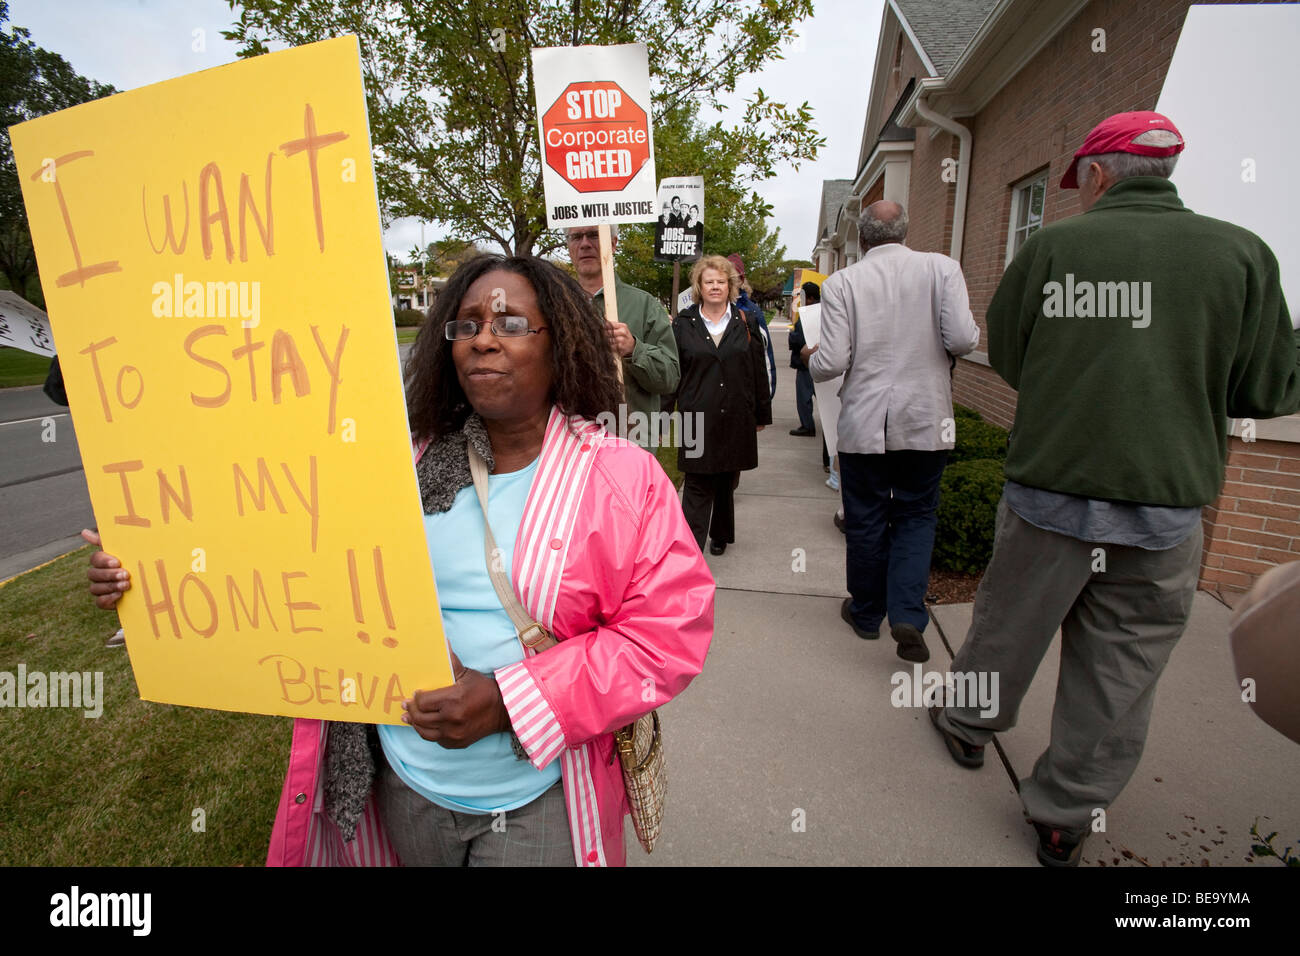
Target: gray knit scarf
(353, 751)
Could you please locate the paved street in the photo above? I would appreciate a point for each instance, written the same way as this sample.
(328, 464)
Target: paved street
(43, 497)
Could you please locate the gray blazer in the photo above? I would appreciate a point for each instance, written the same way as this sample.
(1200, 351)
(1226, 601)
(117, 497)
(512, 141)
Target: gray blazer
(890, 322)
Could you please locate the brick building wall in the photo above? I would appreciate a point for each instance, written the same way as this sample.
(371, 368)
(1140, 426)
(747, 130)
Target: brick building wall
(1255, 523)
(930, 203)
(979, 387)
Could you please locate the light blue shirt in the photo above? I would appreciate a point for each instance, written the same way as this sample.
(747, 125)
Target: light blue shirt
(486, 776)
(1150, 527)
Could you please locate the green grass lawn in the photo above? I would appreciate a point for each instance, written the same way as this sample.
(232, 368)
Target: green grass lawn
(121, 789)
(407, 333)
(22, 368)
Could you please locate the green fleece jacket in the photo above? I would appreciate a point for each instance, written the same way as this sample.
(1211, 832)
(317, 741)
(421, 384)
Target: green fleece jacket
(652, 369)
(1133, 332)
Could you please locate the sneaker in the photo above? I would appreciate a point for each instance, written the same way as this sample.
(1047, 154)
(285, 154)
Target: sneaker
(968, 755)
(833, 482)
(862, 632)
(911, 645)
(117, 640)
(1058, 847)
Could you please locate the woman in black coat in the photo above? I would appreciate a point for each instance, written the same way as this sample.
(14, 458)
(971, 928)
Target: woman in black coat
(724, 381)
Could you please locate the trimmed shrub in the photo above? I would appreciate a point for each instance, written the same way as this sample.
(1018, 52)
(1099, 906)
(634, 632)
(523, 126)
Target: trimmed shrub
(968, 506)
(408, 317)
(978, 439)
(961, 411)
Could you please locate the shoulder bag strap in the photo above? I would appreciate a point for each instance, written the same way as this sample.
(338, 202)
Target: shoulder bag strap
(532, 635)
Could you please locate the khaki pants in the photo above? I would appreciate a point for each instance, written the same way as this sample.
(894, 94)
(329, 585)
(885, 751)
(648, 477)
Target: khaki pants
(1118, 628)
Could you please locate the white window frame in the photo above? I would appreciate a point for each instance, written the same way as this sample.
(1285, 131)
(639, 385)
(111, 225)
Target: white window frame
(1020, 194)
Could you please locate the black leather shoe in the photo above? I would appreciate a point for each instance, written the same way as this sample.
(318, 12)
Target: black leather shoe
(715, 548)
(848, 618)
(911, 645)
(803, 432)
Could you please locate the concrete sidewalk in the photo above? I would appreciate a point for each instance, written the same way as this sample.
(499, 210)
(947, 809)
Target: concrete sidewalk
(787, 749)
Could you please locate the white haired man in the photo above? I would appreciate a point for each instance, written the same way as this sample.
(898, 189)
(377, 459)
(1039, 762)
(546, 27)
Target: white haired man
(894, 429)
(1132, 332)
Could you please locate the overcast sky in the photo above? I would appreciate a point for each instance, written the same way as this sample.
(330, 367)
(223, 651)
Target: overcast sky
(131, 43)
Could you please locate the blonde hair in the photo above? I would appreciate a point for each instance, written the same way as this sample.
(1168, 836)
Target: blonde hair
(719, 264)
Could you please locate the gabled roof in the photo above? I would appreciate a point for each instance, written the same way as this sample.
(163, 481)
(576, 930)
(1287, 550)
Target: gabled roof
(944, 28)
(834, 192)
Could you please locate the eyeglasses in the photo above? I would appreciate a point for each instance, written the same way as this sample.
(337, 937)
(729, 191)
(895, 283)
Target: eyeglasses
(503, 326)
(576, 238)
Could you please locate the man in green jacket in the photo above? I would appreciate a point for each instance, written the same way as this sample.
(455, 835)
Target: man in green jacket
(643, 335)
(1132, 332)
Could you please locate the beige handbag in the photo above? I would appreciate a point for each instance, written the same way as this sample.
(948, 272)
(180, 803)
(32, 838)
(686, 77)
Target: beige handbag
(640, 744)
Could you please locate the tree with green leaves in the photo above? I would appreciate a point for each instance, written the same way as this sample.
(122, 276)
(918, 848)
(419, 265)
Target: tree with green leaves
(735, 219)
(33, 82)
(450, 93)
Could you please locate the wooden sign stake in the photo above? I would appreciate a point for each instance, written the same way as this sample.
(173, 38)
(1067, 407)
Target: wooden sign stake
(607, 278)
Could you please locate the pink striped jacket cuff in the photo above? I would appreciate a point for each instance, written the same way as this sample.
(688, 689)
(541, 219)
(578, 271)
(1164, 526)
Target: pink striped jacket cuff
(535, 724)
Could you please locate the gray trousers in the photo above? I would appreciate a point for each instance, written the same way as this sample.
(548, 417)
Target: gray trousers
(425, 834)
(1118, 628)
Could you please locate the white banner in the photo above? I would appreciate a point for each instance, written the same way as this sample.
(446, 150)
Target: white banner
(23, 326)
(593, 117)
(827, 393)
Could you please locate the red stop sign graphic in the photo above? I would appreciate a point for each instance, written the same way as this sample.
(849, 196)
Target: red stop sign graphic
(596, 136)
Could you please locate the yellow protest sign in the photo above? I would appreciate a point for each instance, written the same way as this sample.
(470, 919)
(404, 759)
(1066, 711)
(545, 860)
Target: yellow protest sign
(211, 255)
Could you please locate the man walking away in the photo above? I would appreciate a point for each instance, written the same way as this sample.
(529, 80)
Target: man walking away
(890, 322)
(1173, 322)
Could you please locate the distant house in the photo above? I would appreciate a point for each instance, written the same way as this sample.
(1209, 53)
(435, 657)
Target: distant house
(416, 290)
(975, 110)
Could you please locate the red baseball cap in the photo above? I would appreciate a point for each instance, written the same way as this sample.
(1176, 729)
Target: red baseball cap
(738, 262)
(1143, 132)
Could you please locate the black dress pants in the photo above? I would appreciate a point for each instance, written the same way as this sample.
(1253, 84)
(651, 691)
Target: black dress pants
(709, 506)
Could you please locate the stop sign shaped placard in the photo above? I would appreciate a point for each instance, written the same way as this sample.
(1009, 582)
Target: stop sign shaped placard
(596, 136)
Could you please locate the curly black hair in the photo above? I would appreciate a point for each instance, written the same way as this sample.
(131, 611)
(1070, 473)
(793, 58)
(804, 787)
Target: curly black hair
(586, 374)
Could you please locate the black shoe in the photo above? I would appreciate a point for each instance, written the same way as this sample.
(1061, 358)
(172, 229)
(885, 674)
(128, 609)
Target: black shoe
(860, 631)
(1058, 847)
(839, 523)
(715, 548)
(804, 432)
(968, 755)
(911, 645)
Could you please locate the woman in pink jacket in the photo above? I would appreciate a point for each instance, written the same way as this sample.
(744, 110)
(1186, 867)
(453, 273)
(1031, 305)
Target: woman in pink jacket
(514, 763)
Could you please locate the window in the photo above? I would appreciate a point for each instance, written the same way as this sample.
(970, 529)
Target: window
(1026, 211)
